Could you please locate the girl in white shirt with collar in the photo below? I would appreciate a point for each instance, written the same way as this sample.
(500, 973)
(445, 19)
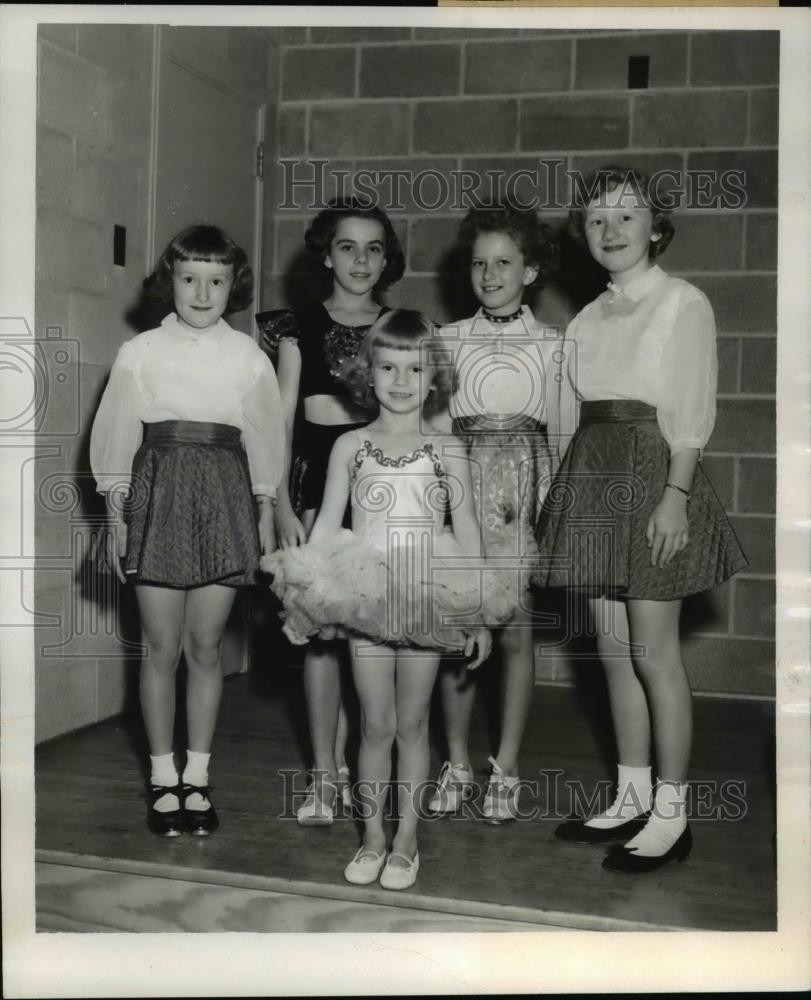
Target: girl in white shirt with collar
(187, 448)
(631, 519)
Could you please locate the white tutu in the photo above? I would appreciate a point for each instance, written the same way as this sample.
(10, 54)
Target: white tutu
(434, 599)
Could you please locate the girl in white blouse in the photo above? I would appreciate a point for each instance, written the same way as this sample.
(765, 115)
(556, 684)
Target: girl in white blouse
(631, 519)
(187, 448)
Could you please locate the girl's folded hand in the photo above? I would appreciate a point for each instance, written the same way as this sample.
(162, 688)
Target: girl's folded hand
(289, 530)
(484, 641)
(667, 531)
(114, 548)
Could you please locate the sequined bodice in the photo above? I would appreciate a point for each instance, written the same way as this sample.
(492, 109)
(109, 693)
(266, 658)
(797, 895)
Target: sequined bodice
(324, 344)
(397, 501)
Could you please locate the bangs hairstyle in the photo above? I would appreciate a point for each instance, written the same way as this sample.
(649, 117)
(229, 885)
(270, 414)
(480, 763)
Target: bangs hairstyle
(402, 330)
(607, 179)
(533, 238)
(318, 238)
(207, 243)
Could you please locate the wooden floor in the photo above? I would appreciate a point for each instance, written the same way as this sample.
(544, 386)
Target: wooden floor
(90, 813)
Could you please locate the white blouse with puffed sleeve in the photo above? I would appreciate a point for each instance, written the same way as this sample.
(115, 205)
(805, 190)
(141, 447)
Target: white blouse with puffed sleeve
(217, 375)
(654, 341)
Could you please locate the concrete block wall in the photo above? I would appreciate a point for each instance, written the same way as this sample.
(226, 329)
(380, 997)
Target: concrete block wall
(454, 99)
(94, 152)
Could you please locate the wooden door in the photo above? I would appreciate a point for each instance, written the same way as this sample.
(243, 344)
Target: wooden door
(206, 156)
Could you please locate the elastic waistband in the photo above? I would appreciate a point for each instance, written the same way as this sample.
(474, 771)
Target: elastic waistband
(497, 423)
(616, 411)
(190, 432)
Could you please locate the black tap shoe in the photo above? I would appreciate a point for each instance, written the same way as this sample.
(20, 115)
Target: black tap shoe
(164, 824)
(199, 822)
(575, 831)
(620, 859)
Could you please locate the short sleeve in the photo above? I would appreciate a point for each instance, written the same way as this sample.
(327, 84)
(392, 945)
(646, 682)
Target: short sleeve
(276, 325)
(263, 428)
(117, 429)
(689, 376)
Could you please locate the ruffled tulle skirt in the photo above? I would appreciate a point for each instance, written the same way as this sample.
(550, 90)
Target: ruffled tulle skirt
(428, 595)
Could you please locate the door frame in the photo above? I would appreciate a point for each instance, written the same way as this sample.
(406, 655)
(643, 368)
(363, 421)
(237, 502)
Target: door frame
(171, 43)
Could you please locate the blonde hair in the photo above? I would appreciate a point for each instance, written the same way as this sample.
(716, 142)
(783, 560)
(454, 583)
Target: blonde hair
(402, 330)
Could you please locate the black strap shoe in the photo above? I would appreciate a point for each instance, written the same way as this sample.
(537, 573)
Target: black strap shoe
(620, 859)
(164, 824)
(199, 822)
(575, 831)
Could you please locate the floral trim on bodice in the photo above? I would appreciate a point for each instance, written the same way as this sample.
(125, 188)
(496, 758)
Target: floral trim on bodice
(426, 450)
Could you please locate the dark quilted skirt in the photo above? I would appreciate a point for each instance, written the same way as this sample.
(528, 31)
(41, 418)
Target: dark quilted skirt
(591, 533)
(191, 517)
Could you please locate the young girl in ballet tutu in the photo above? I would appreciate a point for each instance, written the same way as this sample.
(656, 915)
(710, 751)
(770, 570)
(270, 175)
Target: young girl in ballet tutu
(187, 447)
(399, 578)
(356, 246)
(510, 393)
(631, 519)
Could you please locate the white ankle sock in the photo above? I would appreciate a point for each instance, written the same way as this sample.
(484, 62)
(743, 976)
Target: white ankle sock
(164, 773)
(667, 822)
(632, 798)
(196, 773)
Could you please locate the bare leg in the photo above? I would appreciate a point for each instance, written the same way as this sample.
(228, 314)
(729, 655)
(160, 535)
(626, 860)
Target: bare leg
(322, 691)
(341, 735)
(416, 675)
(207, 611)
(373, 669)
(458, 689)
(655, 629)
(657, 657)
(629, 705)
(162, 612)
(518, 681)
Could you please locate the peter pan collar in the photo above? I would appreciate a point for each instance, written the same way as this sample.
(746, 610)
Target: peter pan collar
(637, 289)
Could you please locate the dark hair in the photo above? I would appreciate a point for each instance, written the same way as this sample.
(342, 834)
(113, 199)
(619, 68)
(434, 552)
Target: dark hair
(321, 233)
(605, 179)
(209, 243)
(533, 238)
(402, 330)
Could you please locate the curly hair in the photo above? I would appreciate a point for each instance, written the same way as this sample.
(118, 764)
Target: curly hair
(402, 330)
(606, 179)
(208, 243)
(534, 238)
(321, 232)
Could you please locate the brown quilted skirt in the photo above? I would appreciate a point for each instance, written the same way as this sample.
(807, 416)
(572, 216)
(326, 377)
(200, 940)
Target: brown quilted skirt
(191, 516)
(591, 532)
